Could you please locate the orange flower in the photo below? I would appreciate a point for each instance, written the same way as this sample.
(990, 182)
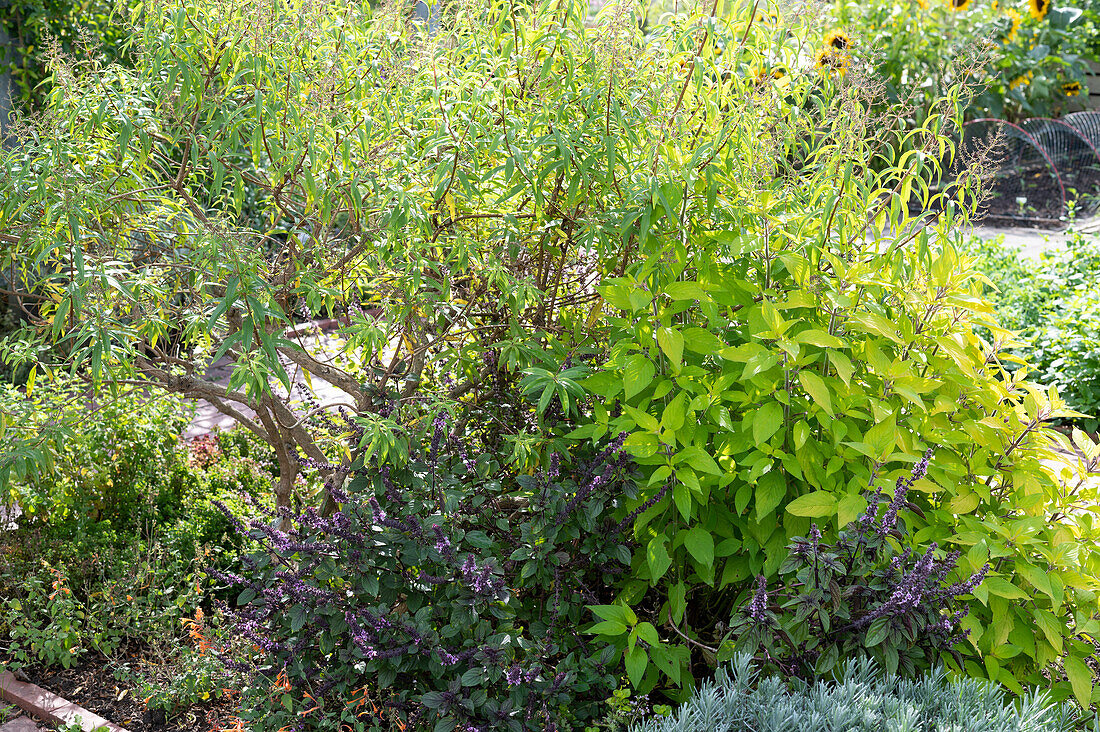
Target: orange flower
(195, 631)
(236, 725)
(314, 708)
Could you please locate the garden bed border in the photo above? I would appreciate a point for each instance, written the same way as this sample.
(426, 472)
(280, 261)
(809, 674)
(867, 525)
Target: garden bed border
(49, 706)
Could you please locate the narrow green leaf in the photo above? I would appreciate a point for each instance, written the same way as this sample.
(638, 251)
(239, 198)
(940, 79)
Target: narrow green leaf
(672, 343)
(636, 662)
(657, 557)
(607, 627)
(1080, 678)
(1001, 587)
(771, 489)
(637, 375)
(677, 601)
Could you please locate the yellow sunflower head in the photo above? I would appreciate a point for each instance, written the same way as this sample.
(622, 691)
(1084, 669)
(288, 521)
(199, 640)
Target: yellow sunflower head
(779, 72)
(1071, 88)
(958, 5)
(828, 62)
(837, 41)
(1039, 8)
(1014, 21)
(1022, 80)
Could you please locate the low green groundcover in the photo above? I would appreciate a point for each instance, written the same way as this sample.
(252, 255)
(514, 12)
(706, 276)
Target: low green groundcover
(863, 700)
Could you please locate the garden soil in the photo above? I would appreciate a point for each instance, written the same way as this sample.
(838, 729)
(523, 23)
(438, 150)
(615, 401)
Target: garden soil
(96, 689)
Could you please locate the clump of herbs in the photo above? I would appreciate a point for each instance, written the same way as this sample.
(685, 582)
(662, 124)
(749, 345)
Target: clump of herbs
(860, 596)
(444, 587)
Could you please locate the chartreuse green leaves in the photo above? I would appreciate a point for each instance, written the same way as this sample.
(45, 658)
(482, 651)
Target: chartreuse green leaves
(780, 366)
(818, 504)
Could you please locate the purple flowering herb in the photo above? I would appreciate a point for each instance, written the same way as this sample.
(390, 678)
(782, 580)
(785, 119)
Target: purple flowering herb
(439, 427)
(901, 490)
(610, 468)
(628, 520)
(442, 543)
(353, 535)
(759, 604)
(815, 537)
(514, 675)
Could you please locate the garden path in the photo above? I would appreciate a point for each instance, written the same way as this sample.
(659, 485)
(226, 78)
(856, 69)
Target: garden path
(317, 337)
(1032, 242)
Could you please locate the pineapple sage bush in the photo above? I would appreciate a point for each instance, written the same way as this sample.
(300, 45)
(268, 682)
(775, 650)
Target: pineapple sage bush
(796, 339)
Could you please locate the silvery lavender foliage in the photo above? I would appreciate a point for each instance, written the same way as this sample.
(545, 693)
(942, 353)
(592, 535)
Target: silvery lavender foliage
(459, 594)
(862, 700)
(857, 597)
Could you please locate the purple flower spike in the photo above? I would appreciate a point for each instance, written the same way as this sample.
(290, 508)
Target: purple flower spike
(759, 604)
(514, 675)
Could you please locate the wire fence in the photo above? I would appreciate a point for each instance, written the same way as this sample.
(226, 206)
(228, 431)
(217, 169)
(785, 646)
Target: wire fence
(1040, 171)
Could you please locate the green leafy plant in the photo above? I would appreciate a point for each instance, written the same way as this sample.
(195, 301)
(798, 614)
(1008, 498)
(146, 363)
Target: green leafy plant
(193, 674)
(85, 30)
(1052, 306)
(1032, 55)
(779, 347)
(623, 710)
(52, 639)
(115, 465)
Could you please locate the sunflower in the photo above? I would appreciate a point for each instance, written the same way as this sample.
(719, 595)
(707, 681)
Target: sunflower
(828, 61)
(779, 72)
(769, 19)
(1021, 80)
(1039, 8)
(1071, 88)
(958, 5)
(1014, 21)
(837, 41)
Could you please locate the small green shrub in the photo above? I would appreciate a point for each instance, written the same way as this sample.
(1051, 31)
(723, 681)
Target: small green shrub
(55, 641)
(1053, 305)
(771, 356)
(131, 597)
(233, 468)
(117, 464)
(861, 700)
(192, 672)
(111, 550)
